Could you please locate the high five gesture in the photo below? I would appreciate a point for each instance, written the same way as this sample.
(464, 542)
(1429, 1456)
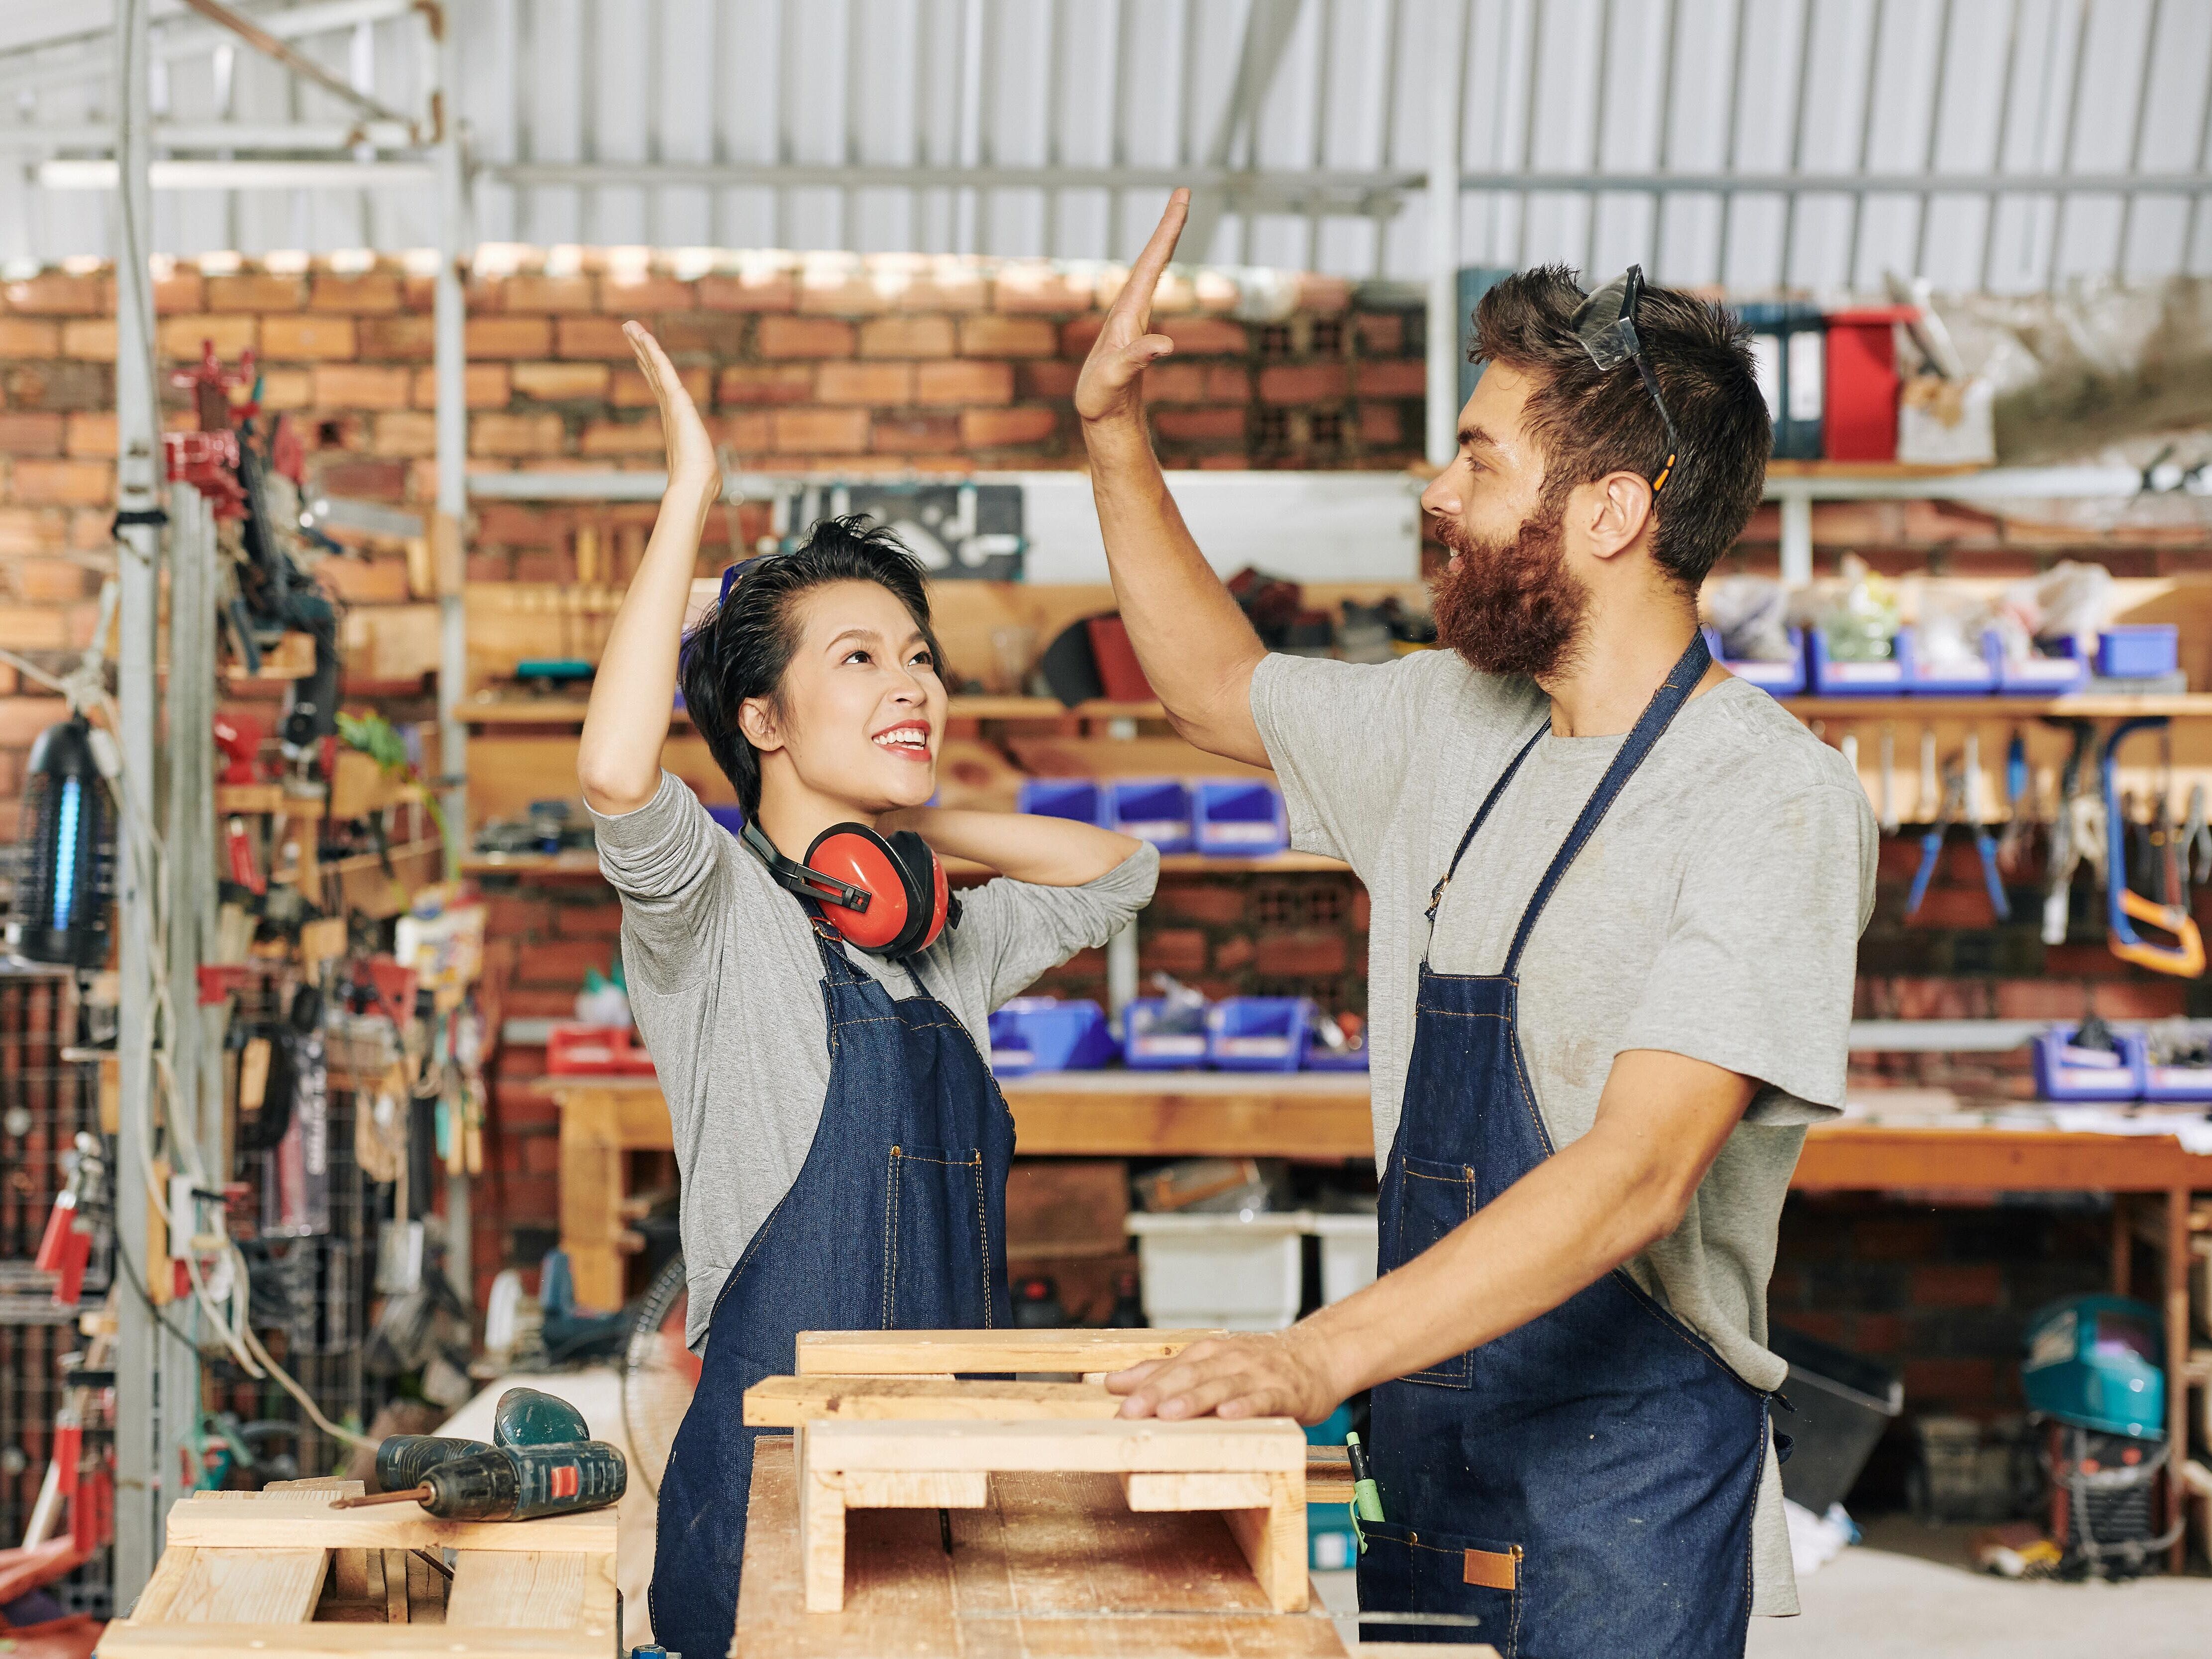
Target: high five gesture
(1195, 646)
(1113, 376)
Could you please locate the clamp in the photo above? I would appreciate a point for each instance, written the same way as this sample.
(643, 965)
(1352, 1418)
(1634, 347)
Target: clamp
(2123, 905)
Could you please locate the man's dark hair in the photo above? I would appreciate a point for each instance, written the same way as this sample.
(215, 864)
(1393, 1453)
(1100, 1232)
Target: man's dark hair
(743, 645)
(1590, 421)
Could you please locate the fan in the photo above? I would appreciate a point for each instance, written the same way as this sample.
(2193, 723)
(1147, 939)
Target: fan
(659, 1374)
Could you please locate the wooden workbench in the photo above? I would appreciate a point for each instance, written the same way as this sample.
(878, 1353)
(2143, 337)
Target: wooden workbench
(1053, 1567)
(1325, 1116)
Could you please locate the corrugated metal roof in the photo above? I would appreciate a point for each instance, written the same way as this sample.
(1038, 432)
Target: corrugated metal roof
(2007, 144)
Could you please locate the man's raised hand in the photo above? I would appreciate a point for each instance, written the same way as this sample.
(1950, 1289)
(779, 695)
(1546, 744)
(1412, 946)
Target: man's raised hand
(1108, 386)
(690, 451)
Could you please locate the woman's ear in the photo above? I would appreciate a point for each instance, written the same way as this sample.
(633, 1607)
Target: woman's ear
(756, 720)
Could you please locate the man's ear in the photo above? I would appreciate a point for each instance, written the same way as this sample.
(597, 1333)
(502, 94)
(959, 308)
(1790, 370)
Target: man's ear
(1618, 513)
(756, 720)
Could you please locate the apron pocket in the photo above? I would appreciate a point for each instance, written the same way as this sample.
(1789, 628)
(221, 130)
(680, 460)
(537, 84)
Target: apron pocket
(1413, 1570)
(935, 1268)
(1436, 1198)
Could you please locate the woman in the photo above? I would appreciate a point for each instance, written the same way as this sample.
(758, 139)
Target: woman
(842, 1145)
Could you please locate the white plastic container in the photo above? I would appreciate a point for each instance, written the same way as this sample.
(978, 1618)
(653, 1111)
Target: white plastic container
(1347, 1253)
(1232, 1273)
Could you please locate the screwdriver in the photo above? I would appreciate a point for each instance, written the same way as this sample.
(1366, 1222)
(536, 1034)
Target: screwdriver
(403, 1459)
(514, 1483)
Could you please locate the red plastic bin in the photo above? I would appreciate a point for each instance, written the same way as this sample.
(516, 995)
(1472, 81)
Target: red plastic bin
(594, 1051)
(1859, 418)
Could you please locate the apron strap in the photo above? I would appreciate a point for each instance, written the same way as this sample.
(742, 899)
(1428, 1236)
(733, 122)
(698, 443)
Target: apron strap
(1666, 702)
(1497, 789)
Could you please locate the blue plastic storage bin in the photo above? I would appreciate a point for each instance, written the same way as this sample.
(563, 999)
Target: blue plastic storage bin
(732, 818)
(1156, 809)
(1144, 1050)
(1319, 1058)
(1953, 680)
(1258, 1034)
(2057, 668)
(1239, 819)
(1083, 799)
(1859, 679)
(1783, 679)
(2139, 651)
(2065, 1073)
(1043, 1034)
(2182, 1083)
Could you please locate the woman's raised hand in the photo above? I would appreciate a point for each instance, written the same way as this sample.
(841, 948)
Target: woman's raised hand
(1123, 349)
(690, 452)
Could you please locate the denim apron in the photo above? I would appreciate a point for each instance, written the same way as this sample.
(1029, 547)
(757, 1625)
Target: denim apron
(1583, 1485)
(897, 1221)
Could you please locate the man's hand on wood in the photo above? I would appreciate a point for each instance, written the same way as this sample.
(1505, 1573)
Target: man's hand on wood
(1281, 1374)
(1110, 385)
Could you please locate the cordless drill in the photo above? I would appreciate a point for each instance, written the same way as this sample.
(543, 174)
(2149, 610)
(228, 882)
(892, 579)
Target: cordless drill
(514, 1483)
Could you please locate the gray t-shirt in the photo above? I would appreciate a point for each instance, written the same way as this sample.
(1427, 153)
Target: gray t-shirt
(1715, 913)
(726, 983)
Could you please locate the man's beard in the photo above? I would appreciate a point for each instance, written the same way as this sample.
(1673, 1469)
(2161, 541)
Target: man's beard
(1510, 607)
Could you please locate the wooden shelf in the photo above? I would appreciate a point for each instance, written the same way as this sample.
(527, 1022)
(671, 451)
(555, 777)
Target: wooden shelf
(2187, 705)
(559, 711)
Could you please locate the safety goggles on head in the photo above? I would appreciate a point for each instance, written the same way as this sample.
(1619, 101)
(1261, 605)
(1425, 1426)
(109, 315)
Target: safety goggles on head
(1605, 325)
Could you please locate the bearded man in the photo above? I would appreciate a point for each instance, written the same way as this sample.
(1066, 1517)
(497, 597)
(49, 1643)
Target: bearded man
(1616, 898)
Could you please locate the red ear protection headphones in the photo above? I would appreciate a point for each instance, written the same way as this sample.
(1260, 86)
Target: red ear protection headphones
(888, 896)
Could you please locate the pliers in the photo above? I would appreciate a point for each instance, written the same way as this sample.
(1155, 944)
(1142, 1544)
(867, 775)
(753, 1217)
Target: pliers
(1931, 847)
(2193, 849)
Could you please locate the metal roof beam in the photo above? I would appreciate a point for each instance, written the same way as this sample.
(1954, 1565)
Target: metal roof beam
(1267, 28)
(270, 46)
(25, 68)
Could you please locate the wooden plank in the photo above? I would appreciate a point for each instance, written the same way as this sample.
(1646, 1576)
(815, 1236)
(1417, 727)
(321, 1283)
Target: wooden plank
(1273, 1540)
(1329, 1476)
(783, 1402)
(1055, 1567)
(912, 1489)
(1106, 1115)
(168, 1576)
(532, 1590)
(258, 1587)
(1113, 1447)
(275, 1523)
(821, 1535)
(392, 1563)
(1225, 1489)
(892, 1353)
(426, 1591)
(127, 1639)
(1848, 1156)
(1124, 757)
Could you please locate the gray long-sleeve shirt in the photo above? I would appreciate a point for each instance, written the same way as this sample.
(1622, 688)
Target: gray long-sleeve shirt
(725, 980)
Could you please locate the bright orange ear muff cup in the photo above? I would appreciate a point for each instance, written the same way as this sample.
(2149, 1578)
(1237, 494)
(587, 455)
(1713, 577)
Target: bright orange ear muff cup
(854, 854)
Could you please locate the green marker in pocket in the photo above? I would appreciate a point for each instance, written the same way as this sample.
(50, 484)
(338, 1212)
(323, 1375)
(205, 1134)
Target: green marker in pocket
(1366, 1502)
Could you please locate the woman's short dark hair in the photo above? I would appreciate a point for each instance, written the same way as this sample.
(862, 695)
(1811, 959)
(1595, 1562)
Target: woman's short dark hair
(1590, 421)
(743, 645)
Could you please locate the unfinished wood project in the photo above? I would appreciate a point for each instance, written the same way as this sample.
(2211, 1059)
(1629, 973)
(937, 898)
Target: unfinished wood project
(280, 1574)
(881, 1422)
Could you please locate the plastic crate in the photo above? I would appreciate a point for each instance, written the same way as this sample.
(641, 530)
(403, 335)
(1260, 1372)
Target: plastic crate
(1232, 1273)
(1083, 799)
(1156, 809)
(2144, 652)
(2065, 1073)
(1319, 1058)
(1783, 679)
(1258, 1034)
(1239, 819)
(1349, 1246)
(2057, 668)
(2182, 1083)
(1954, 679)
(1859, 679)
(1145, 1050)
(1043, 1034)
(575, 1050)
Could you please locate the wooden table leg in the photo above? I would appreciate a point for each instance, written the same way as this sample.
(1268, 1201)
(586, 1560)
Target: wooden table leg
(591, 1198)
(2123, 1246)
(2177, 1367)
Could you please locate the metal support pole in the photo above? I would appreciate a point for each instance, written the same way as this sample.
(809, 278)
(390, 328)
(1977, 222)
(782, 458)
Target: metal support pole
(1797, 539)
(450, 348)
(1447, 37)
(137, 1406)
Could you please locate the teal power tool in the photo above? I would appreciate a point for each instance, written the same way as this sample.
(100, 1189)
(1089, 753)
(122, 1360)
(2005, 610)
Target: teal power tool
(529, 1417)
(402, 1460)
(1366, 1501)
(515, 1483)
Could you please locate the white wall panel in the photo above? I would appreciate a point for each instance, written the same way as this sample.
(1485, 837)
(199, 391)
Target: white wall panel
(1903, 91)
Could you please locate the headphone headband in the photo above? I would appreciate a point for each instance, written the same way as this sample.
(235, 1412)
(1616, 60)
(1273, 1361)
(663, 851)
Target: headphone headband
(806, 882)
